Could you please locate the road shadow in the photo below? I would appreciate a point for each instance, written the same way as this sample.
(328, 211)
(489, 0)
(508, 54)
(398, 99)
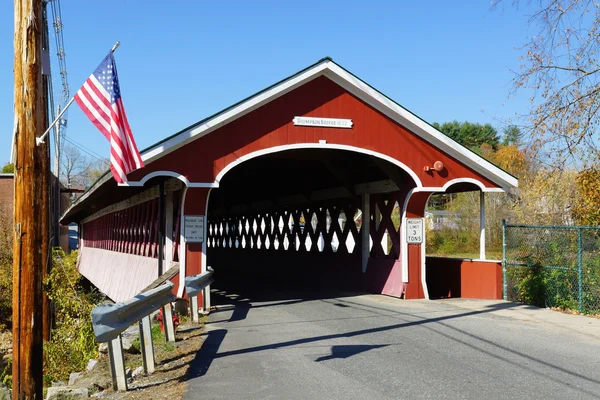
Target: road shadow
(347, 351)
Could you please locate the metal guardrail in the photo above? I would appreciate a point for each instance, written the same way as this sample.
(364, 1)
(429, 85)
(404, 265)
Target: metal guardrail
(198, 284)
(110, 320)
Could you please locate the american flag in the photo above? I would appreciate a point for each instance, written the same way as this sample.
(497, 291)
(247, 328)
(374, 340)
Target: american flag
(100, 100)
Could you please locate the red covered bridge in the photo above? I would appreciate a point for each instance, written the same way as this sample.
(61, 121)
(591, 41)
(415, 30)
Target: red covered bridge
(300, 179)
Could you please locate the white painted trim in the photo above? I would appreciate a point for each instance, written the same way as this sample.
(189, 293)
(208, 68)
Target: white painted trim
(354, 85)
(455, 181)
(204, 267)
(416, 125)
(404, 244)
(482, 225)
(182, 244)
(319, 145)
(147, 195)
(424, 264)
(232, 114)
(168, 228)
(172, 174)
(468, 259)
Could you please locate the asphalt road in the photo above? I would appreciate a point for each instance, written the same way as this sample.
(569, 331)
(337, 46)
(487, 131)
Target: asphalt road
(303, 345)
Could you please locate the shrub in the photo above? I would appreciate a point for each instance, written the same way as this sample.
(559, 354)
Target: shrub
(72, 342)
(6, 260)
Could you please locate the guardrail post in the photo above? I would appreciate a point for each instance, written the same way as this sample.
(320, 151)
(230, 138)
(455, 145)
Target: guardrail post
(206, 302)
(117, 364)
(580, 268)
(146, 344)
(168, 322)
(194, 308)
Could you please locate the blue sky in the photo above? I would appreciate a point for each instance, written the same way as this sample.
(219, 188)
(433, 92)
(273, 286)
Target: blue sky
(181, 61)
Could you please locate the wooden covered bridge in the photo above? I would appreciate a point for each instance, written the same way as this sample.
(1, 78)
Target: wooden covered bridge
(319, 175)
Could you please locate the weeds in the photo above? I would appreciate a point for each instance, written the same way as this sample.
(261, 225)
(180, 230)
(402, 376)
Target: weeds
(72, 342)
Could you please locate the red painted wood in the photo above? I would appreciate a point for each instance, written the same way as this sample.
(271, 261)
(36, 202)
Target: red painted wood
(271, 125)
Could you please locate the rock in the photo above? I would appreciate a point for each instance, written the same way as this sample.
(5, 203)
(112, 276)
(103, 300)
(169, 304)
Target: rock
(5, 393)
(66, 393)
(91, 365)
(136, 372)
(127, 344)
(181, 307)
(103, 348)
(74, 377)
(59, 383)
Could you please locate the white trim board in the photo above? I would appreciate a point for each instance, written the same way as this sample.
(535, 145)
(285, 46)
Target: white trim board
(171, 185)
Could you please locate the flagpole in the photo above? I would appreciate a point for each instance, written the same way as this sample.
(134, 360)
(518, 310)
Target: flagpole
(40, 140)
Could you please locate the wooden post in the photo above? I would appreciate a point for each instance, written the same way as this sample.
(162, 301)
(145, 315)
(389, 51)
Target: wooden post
(30, 203)
(47, 224)
(366, 231)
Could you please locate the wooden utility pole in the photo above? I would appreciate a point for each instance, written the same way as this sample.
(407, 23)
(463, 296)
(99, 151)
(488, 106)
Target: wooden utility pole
(31, 212)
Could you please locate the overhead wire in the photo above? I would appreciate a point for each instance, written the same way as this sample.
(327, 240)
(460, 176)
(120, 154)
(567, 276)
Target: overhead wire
(85, 150)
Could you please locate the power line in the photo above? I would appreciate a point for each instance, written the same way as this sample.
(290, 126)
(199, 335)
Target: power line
(80, 147)
(70, 139)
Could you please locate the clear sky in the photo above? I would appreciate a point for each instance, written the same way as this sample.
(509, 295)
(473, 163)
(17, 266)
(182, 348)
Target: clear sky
(181, 61)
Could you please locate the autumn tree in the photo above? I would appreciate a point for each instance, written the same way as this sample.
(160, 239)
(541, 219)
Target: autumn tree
(587, 203)
(560, 70)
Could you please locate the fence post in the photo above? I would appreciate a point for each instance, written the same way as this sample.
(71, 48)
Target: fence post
(580, 268)
(504, 283)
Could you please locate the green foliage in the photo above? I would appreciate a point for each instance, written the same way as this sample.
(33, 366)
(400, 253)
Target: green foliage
(512, 136)
(158, 340)
(469, 134)
(5, 374)
(543, 267)
(8, 168)
(6, 260)
(73, 343)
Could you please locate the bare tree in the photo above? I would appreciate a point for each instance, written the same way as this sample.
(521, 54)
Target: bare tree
(560, 67)
(78, 169)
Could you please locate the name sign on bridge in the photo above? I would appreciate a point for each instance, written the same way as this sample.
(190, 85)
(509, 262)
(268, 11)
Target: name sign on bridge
(323, 122)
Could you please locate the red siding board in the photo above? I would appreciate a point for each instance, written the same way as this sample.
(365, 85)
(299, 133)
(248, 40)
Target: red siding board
(272, 125)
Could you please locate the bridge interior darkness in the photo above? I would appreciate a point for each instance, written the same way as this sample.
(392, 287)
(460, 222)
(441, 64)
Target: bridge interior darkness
(296, 217)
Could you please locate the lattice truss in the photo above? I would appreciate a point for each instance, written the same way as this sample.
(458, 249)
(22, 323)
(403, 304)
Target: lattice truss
(133, 230)
(332, 227)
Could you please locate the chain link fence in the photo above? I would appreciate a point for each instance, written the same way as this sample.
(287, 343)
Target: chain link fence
(552, 266)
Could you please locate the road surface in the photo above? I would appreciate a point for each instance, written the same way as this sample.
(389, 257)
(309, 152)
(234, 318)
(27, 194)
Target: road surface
(316, 346)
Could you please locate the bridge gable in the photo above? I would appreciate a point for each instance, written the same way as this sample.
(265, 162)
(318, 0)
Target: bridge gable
(271, 128)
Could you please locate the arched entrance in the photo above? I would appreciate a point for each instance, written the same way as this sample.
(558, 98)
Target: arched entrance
(321, 212)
